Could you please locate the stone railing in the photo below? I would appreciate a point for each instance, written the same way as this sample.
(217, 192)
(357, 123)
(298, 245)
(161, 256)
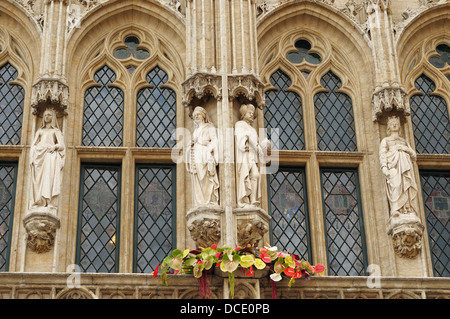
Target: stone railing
(143, 286)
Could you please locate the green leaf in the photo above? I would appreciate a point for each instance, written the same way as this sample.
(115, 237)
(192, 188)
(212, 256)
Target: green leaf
(185, 252)
(176, 263)
(177, 253)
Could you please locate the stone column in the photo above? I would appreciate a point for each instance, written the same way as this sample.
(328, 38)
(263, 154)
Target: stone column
(390, 109)
(222, 74)
(49, 101)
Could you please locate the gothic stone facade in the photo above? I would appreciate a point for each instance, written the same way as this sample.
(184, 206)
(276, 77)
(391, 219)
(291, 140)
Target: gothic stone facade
(100, 185)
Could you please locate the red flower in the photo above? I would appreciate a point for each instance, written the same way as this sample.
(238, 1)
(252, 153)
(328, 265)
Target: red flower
(237, 248)
(290, 272)
(298, 274)
(155, 272)
(250, 271)
(266, 258)
(217, 255)
(214, 246)
(218, 264)
(319, 268)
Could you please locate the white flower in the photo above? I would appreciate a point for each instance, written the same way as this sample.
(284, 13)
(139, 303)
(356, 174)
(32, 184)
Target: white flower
(275, 277)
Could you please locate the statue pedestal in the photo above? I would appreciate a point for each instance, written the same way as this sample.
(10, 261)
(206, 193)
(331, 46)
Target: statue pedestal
(41, 224)
(204, 224)
(406, 232)
(252, 223)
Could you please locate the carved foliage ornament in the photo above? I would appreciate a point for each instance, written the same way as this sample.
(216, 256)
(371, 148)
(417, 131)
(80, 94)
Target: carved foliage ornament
(205, 232)
(41, 229)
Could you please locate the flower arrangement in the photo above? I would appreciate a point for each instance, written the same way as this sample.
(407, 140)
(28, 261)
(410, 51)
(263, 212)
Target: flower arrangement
(228, 260)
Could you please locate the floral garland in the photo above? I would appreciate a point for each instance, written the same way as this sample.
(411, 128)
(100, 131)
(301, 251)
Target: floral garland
(249, 259)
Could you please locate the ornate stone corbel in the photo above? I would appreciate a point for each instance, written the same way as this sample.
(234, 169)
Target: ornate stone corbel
(41, 229)
(406, 232)
(252, 224)
(50, 90)
(204, 225)
(247, 86)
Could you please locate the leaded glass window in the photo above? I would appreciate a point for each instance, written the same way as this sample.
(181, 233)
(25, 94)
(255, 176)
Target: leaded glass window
(284, 112)
(436, 199)
(156, 112)
(99, 216)
(430, 120)
(11, 106)
(343, 222)
(155, 211)
(8, 174)
(289, 211)
(334, 117)
(103, 111)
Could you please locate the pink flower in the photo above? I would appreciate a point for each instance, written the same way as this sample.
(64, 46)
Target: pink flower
(266, 258)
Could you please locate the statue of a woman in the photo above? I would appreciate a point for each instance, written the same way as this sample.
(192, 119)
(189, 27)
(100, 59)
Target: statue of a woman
(396, 158)
(47, 162)
(202, 160)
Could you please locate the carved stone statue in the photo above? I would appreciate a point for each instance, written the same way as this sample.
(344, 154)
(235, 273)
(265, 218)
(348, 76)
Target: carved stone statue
(47, 162)
(202, 160)
(249, 154)
(396, 158)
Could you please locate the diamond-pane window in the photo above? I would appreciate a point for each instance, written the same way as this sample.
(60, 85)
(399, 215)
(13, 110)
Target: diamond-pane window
(334, 117)
(343, 223)
(11, 106)
(430, 120)
(7, 191)
(99, 217)
(289, 212)
(436, 199)
(284, 112)
(155, 213)
(156, 112)
(103, 111)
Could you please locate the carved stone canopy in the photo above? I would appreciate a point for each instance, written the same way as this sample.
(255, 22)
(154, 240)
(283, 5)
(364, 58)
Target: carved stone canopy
(52, 91)
(200, 86)
(247, 88)
(41, 226)
(390, 98)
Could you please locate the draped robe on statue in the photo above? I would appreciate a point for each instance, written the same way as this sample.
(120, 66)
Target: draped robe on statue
(46, 166)
(248, 177)
(401, 187)
(202, 159)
